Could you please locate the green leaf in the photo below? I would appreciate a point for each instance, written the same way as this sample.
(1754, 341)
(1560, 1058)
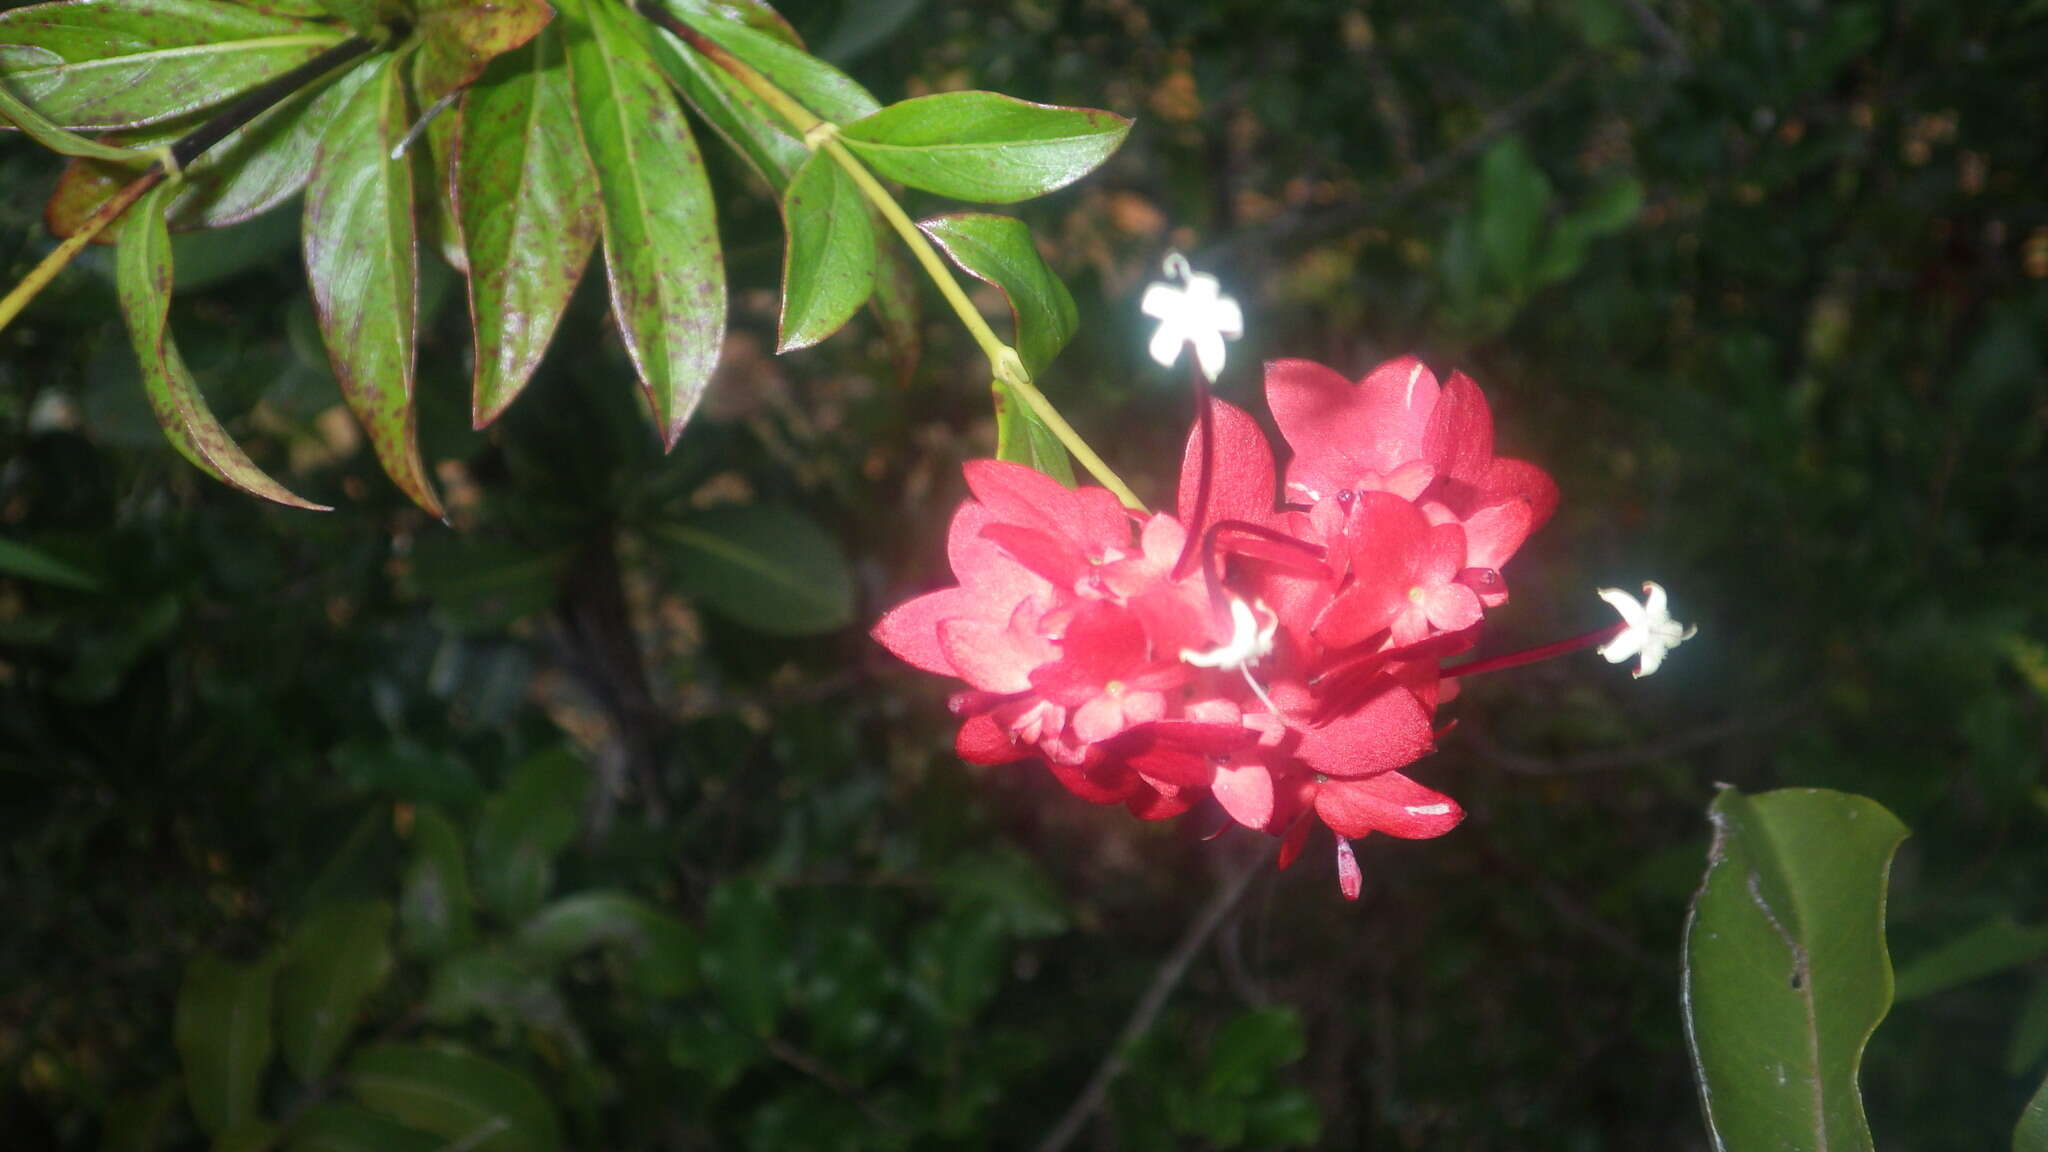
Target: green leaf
(984, 147)
(896, 308)
(460, 38)
(480, 583)
(53, 136)
(658, 946)
(735, 114)
(999, 251)
(136, 1123)
(828, 267)
(336, 961)
(1785, 968)
(362, 259)
(1611, 209)
(26, 563)
(743, 952)
(223, 1038)
(436, 910)
(1514, 198)
(264, 163)
(143, 282)
(337, 1127)
(1993, 946)
(468, 1100)
(661, 249)
(506, 988)
(768, 567)
(524, 827)
(2029, 1040)
(755, 14)
(818, 86)
(528, 205)
(1022, 437)
(2032, 1133)
(87, 64)
(1251, 1050)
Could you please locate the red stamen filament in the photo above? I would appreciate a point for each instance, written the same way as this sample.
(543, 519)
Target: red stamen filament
(1538, 653)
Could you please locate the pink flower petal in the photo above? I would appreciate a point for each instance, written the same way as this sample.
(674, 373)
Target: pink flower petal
(1246, 792)
(1459, 439)
(911, 629)
(1349, 880)
(988, 656)
(1390, 803)
(1242, 487)
(1388, 730)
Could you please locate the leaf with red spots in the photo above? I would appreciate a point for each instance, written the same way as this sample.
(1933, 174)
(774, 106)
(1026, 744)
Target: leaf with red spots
(459, 38)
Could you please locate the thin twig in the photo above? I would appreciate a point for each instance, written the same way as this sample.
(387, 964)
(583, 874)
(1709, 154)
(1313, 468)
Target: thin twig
(807, 1064)
(1146, 1011)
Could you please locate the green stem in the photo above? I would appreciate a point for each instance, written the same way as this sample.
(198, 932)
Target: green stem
(819, 134)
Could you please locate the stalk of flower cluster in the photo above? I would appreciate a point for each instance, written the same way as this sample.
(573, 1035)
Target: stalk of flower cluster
(1537, 654)
(171, 162)
(819, 134)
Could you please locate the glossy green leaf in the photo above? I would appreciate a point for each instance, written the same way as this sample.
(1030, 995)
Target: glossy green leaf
(999, 251)
(2032, 1133)
(436, 910)
(768, 567)
(143, 282)
(818, 86)
(524, 827)
(332, 1126)
(362, 259)
(223, 1038)
(88, 64)
(985, 147)
(459, 39)
(659, 948)
(1786, 974)
(755, 14)
(360, 15)
(1991, 947)
(735, 114)
(25, 563)
(743, 950)
(661, 250)
(470, 1101)
(265, 163)
(828, 267)
(336, 961)
(528, 205)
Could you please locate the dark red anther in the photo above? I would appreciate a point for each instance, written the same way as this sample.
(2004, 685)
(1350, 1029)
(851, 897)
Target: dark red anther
(1484, 581)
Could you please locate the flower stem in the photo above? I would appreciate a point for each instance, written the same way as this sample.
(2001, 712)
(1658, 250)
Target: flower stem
(819, 135)
(181, 152)
(1532, 655)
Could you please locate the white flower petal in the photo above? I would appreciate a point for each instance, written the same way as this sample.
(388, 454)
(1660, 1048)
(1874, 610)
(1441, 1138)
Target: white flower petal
(1209, 353)
(1166, 342)
(1622, 602)
(1162, 301)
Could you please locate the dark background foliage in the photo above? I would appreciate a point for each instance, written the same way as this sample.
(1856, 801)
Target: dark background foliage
(1799, 380)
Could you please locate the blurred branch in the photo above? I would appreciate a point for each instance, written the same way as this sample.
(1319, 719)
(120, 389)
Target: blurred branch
(599, 646)
(1164, 981)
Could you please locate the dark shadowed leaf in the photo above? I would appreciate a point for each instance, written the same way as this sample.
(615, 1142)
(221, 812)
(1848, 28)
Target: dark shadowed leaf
(1514, 197)
(436, 910)
(337, 1127)
(223, 1036)
(264, 164)
(528, 205)
(659, 948)
(1786, 974)
(467, 1100)
(362, 259)
(25, 563)
(818, 86)
(897, 307)
(767, 567)
(661, 250)
(524, 827)
(335, 962)
(137, 1123)
(1252, 1048)
(2032, 1133)
(985, 147)
(743, 953)
(85, 64)
(741, 120)
(56, 138)
(459, 38)
(504, 986)
(1023, 438)
(1991, 947)
(143, 282)
(828, 267)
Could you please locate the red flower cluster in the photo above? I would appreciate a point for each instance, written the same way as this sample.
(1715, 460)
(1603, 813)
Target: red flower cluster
(1290, 668)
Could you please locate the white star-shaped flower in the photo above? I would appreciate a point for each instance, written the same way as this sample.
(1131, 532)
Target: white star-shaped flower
(1196, 312)
(1249, 643)
(1648, 628)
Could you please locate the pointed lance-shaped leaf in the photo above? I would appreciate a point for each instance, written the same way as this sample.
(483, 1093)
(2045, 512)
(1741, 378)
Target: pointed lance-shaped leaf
(336, 961)
(88, 64)
(362, 260)
(527, 202)
(661, 252)
(223, 1038)
(747, 125)
(470, 1101)
(459, 39)
(143, 283)
(828, 266)
(818, 86)
(985, 147)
